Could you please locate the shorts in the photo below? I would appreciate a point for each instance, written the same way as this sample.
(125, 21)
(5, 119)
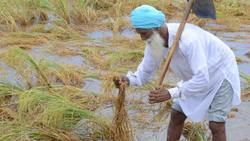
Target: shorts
(221, 104)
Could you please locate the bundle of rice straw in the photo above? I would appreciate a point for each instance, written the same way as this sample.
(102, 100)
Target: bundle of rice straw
(194, 131)
(123, 127)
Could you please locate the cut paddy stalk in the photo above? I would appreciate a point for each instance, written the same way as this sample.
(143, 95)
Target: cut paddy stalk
(123, 127)
(194, 131)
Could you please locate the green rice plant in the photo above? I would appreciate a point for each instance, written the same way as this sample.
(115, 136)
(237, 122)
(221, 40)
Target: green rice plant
(41, 8)
(125, 42)
(59, 109)
(61, 20)
(8, 21)
(64, 74)
(17, 10)
(126, 57)
(61, 9)
(25, 130)
(102, 4)
(24, 43)
(40, 28)
(18, 59)
(83, 12)
(21, 35)
(95, 58)
(118, 24)
(7, 90)
(246, 77)
(232, 13)
(34, 73)
(54, 32)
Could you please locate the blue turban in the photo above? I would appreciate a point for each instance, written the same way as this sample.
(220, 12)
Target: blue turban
(147, 17)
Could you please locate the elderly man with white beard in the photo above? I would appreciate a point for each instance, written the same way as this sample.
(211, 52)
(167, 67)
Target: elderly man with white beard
(208, 69)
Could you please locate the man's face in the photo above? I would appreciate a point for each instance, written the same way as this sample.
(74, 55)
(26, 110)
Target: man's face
(144, 33)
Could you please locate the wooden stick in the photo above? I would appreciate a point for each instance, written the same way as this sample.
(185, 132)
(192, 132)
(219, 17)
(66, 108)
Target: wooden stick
(175, 42)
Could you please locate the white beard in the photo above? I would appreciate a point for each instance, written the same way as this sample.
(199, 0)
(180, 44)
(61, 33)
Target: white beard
(155, 43)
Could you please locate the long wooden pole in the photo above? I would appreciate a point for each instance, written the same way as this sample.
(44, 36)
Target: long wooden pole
(175, 42)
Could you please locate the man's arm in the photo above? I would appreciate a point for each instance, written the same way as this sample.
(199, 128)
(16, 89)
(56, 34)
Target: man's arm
(145, 72)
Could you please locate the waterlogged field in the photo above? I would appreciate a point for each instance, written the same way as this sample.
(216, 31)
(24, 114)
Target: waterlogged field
(58, 59)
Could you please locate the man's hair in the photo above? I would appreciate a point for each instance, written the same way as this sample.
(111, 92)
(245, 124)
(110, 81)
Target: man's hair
(164, 25)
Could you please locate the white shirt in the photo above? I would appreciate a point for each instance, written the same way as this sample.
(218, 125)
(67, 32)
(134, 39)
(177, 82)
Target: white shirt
(202, 61)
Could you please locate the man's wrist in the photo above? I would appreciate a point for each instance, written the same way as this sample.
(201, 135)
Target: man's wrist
(174, 92)
(128, 81)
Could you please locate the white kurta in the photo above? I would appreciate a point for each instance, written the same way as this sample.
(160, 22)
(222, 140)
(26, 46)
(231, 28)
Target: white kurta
(202, 61)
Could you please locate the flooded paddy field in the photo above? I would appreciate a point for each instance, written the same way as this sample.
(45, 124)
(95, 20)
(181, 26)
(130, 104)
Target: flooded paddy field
(58, 57)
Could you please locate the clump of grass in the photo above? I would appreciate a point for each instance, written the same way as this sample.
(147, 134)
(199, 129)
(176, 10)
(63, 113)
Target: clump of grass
(7, 115)
(83, 11)
(18, 59)
(194, 131)
(246, 77)
(66, 74)
(95, 58)
(234, 109)
(22, 40)
(247, 54)
(240, 60)
(7, 90)
(126, 57)
(54, 32)
(21, 35)
(60, 111)
(62, 8)
(231, 115)
(26, 41)
(229, 13)
(125, 42)
(34, 73)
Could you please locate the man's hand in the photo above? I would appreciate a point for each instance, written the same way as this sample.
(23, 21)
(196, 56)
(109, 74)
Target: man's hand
(159, 95)
(123, 80)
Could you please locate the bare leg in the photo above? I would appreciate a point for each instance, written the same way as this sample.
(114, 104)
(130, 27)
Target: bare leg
(175, 125)
(218, 130)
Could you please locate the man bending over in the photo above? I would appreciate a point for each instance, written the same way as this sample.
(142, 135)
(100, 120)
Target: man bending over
(207, 66)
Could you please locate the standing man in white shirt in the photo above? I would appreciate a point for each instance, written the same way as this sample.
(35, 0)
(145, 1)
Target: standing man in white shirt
(207, 66)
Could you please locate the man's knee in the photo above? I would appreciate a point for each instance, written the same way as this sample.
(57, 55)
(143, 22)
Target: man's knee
(177, 116)
(217, 127)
